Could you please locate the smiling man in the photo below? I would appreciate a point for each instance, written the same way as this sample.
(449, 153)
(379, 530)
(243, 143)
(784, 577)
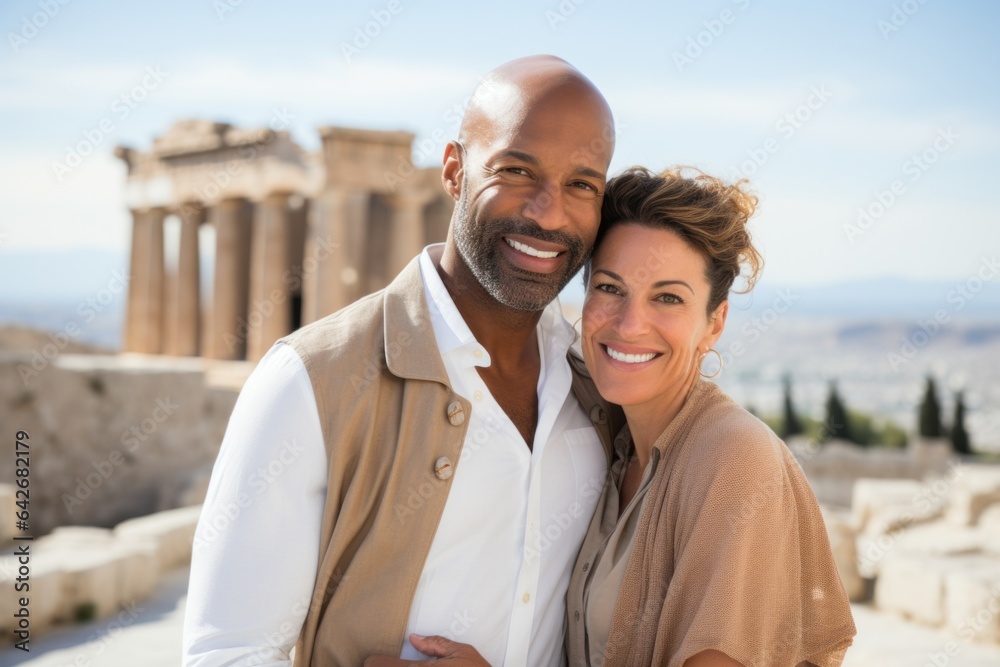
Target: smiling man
(450, 494)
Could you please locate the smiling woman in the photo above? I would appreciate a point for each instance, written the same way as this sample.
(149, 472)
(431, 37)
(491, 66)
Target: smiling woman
(708, 547)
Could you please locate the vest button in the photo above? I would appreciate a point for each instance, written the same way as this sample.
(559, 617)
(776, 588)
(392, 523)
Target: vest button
(456, 413)
(598, 415)
(443, 468)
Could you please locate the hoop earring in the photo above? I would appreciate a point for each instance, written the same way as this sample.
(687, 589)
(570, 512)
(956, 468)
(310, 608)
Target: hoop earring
(576, 332)
(705, 354)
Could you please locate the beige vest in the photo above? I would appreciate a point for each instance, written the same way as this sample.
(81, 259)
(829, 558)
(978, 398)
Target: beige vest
(390, 420)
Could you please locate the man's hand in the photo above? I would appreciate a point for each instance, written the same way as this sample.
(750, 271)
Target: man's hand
(445, 650)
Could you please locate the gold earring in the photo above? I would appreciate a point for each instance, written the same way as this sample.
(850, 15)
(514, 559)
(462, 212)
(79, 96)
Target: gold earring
(705, 354)
(576, 332)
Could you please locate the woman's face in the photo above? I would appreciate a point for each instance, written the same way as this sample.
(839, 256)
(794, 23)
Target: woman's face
(645, 320)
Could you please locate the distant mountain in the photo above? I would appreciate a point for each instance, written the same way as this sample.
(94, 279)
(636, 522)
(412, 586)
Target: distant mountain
(46, 290)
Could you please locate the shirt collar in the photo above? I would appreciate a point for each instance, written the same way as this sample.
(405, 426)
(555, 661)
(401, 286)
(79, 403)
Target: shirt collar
(453, 333)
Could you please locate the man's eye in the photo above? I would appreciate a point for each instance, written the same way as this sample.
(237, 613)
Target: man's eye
(583, 185)
(517, 171)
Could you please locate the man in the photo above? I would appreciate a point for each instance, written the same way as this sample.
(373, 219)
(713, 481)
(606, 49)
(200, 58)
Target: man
(450, 493)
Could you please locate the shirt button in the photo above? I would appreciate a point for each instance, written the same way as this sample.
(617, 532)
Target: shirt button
(478, 396)
(597, 415)
(526, 598)
(586, 566)
(456, 413)
(443, 468)
(478, 354)
(576, 616)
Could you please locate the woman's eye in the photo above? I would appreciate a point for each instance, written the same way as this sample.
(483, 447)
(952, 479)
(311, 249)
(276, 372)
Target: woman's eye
(670, 298)
(607, 287)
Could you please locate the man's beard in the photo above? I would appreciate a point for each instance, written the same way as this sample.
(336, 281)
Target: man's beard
(478, 245)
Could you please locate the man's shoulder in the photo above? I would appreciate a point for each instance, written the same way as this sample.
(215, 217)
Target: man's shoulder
(351, 330)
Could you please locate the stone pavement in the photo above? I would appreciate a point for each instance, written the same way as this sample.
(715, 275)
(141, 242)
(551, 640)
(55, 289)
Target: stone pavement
(153, 640)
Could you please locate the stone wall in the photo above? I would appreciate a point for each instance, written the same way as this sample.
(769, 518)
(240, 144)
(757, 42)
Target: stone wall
(111, 437)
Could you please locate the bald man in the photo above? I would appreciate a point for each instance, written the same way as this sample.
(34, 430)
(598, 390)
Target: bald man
(449, 494)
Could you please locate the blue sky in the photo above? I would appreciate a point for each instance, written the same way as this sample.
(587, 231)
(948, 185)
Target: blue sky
(874, 83)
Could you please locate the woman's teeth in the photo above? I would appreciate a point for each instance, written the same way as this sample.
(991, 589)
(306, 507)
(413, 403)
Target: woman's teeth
(528, 250)
(629, 358)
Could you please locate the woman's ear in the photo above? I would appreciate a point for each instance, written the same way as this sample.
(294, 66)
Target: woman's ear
(716, 324)
(453, 170)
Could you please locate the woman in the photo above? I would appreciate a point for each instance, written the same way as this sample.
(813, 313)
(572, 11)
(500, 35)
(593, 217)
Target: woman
(707, 547)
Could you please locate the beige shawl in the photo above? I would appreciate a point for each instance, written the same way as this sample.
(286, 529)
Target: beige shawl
(731, 552)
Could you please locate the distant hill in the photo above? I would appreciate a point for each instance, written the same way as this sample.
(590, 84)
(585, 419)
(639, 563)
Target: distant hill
(46, 290)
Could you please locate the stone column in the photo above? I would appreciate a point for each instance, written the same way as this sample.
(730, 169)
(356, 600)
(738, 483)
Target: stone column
(334, 245)
(270, 292)
(144, 323)
(232, 220)
(407, 236)
(186, 316)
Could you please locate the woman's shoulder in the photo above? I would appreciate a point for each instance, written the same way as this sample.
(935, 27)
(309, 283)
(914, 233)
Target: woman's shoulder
(728, 437)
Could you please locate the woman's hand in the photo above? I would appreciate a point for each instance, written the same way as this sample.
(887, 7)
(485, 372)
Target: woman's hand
(444, 650)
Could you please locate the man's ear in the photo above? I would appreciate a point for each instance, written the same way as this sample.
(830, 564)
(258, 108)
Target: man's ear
(453, 169)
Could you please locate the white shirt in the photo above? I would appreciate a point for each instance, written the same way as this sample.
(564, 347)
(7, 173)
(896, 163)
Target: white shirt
(497, 571)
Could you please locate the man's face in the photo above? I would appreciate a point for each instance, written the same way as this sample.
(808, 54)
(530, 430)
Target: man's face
(530, 203)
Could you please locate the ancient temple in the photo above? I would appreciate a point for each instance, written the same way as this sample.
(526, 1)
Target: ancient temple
(297, 235)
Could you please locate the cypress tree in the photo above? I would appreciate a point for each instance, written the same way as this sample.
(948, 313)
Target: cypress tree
(836, 426)
(930, 412)
(791, 424)
(959, 436)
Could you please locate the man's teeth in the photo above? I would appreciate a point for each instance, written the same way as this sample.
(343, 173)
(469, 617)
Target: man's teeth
(629, 358)
(528, 250)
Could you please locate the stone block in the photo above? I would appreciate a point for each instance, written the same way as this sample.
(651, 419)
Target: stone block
(872, 495)
(977, 489)
(171, 531)
(8, 526)
(91, 578)
(972, 603)
(45, 595)
(914, 585)
(841, 535)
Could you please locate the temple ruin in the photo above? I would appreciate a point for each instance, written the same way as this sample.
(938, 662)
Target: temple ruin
(297, 235)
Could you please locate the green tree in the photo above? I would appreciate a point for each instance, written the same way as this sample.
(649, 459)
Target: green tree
(930, 412)
(837, 425)
(959, 436)
(791, 425)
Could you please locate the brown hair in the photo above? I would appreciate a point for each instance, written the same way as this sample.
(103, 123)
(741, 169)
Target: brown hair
(710, 215)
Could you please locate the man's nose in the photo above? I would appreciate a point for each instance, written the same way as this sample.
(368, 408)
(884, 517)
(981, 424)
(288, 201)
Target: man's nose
(547, 207)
